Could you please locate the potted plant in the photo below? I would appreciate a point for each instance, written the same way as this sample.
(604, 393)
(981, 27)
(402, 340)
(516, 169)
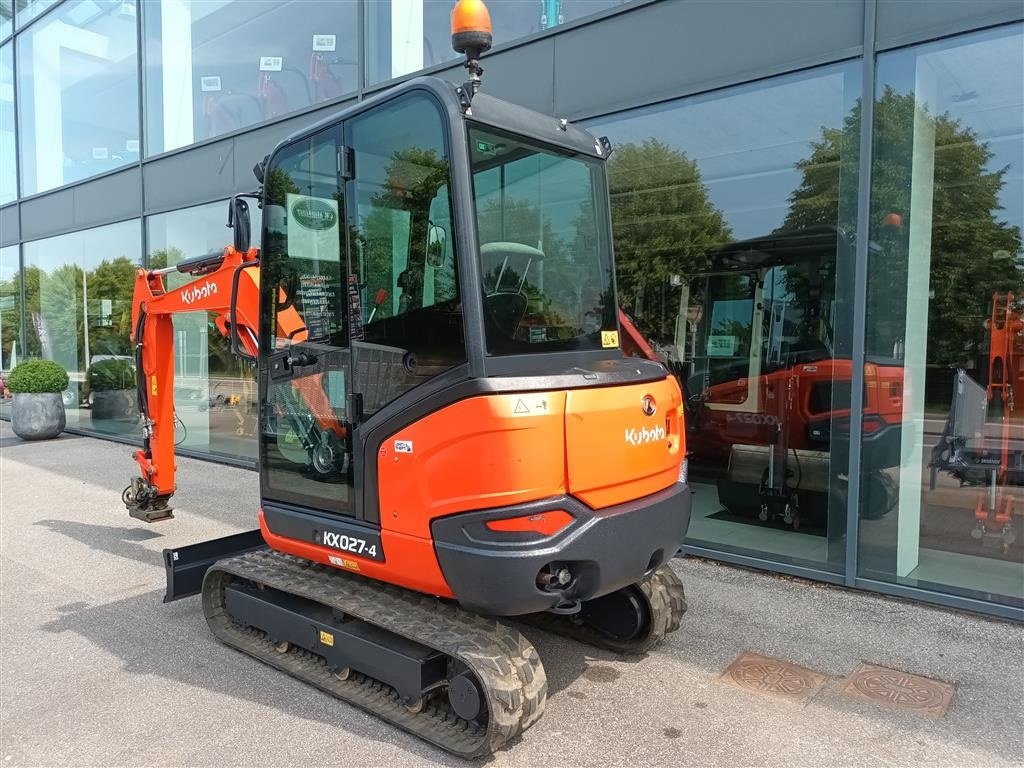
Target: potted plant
(38, 409)
(111, 385)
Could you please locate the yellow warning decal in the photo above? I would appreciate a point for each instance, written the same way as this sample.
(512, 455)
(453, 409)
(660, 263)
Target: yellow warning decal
(326, 638)
(343, 562)
(152, 385)
(609, 339)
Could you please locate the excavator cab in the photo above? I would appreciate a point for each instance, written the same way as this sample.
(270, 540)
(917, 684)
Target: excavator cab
(399, 294)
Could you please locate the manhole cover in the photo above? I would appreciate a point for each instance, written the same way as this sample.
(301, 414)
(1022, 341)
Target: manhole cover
(774, 677)
(899, 689)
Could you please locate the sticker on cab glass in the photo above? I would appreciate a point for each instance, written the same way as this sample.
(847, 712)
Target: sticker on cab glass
(271, 63)
(609, 339)
(325, 42)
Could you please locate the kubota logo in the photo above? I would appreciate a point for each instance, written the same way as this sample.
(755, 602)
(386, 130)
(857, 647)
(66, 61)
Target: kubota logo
(647, 405)
(204, 291)
(314, 214)
(644, 435)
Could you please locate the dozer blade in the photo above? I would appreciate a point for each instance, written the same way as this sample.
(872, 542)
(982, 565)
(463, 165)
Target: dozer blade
(307, 610)
(631, 620)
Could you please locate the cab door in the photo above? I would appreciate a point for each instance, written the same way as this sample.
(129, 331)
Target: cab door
(406, 311)
(305, 361)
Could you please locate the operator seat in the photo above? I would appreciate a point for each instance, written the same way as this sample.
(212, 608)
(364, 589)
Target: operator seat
(504, 267)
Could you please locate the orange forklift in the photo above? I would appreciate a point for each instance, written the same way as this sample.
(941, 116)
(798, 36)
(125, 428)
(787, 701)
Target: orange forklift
(449, 430)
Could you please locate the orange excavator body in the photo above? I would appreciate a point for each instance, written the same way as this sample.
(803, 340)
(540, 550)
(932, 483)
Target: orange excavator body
(524, 448)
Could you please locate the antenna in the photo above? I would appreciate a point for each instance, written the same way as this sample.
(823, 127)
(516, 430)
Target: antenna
(471, 35)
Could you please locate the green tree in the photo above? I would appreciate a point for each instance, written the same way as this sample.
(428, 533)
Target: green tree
(664, 225)
(974, 252)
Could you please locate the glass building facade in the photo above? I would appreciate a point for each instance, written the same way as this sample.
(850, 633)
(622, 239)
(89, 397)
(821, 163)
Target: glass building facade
(817, 210)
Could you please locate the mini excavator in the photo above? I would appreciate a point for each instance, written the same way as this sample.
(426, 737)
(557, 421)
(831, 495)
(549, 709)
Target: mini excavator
(449, 430)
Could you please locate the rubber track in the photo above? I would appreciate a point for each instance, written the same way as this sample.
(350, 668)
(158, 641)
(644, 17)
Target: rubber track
(505, 663)
(665, 598)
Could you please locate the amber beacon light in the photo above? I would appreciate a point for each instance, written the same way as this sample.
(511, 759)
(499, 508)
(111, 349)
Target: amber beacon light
(471, 35)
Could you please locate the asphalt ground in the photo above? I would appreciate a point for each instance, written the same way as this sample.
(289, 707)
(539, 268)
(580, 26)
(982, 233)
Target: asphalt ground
(95, 670)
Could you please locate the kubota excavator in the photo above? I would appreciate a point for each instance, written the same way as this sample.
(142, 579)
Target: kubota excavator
(449, 429)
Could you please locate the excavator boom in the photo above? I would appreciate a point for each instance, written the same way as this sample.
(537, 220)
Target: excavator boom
(226, 284)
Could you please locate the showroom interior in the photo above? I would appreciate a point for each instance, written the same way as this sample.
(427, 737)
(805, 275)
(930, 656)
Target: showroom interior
(817, 213)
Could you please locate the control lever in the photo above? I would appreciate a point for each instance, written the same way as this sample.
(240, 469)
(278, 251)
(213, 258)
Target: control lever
(283, 364)
(300, 360)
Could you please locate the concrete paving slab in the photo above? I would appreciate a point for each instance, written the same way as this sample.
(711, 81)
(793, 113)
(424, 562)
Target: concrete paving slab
(95, 670)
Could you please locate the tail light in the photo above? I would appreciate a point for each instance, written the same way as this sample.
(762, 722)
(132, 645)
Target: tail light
(545, 523)
(871, 425)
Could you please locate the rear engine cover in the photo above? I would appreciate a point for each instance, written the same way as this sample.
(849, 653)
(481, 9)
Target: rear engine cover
(623, 443)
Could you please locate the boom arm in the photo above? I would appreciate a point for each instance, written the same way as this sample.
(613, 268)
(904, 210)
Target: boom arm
(227, 285)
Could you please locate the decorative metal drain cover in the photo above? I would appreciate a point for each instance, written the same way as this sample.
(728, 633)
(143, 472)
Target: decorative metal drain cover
(899, 689)
(774, 677)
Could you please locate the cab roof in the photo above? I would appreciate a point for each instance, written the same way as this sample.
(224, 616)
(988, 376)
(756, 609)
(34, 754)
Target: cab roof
(485, 109)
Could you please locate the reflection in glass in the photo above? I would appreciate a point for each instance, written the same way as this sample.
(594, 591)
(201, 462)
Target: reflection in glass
(403, 37)
(80, 56)
(78, 294)
(732, 215)
(218, 66)
(304, 355)
(945, 292)
(215, 398)
(10, 309)
(6, 18)
(544, 259)
(410, 315)
(8, 181)
(26, 10)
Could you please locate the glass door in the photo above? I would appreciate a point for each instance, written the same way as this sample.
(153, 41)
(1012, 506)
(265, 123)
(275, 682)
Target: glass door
(305, 446)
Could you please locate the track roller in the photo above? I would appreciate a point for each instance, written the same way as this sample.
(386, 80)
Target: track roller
(465, 683)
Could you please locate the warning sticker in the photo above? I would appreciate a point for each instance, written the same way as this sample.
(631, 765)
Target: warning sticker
(343, 562)
(609, 339)
(403, 446)
(526, 405)
(326, 638)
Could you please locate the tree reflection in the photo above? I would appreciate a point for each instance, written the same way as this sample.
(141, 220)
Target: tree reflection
(664, 225)
(974, 251)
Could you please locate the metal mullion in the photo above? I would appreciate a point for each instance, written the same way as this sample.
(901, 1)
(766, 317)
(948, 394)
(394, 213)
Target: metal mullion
(15, 41)
(140, 68)
(22, 313)
(361, 49)
(860, 285)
